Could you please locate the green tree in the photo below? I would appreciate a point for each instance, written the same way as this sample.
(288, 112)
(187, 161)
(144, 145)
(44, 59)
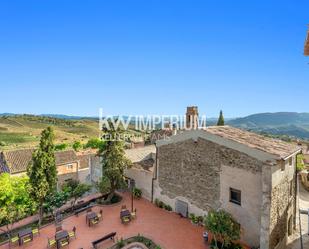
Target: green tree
(42, 170)
(79, 191)
(55, 200)
(300, 162)
(94, 143)
(223, 227)
(62, 146)
(75, 189)
(220, 119)
(15, 201)
(114, 161)
(103, 185)
(77, 145)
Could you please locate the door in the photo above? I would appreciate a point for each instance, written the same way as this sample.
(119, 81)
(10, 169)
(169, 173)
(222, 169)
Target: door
(181, 208)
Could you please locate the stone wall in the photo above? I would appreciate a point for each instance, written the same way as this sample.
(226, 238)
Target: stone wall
(65, 173)
(283, 206)
(190, 170)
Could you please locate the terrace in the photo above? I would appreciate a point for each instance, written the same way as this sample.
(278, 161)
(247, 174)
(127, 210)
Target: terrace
(166, 229)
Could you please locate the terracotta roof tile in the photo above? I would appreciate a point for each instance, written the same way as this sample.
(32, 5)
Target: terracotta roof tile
(140, 154)
(16, 161)
(272, 146)
(65, 156)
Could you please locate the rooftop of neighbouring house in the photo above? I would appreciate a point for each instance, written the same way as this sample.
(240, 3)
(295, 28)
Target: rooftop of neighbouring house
(142, 157)
(85, 155)
(272, 146)
(16, 161)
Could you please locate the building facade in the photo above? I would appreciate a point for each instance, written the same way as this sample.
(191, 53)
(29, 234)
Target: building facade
(249, 176)
(142, 171)
(69, 164)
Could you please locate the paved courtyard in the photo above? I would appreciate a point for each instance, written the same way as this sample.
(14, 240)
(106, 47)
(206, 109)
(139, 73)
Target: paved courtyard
(165, 228)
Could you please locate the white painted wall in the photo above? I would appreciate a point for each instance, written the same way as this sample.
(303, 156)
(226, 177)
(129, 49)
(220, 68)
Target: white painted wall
(84, 175)
(248, 214)
(143, 180)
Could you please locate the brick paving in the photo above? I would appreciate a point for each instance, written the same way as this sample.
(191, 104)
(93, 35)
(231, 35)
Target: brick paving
(165, 228)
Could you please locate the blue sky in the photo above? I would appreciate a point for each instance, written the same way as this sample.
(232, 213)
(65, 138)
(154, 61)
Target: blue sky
(153, 57)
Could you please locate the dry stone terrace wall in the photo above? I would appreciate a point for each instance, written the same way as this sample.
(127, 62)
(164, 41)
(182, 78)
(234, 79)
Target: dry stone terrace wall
(191, 169)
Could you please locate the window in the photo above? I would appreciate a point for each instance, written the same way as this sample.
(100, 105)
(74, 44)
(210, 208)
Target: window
(235, 196)
(69, 166)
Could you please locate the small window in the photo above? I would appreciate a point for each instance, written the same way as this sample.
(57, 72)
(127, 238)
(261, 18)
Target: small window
(290, 161)
(235, 196)
(69, 166)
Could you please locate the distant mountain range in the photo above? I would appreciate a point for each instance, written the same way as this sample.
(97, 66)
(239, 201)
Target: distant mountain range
(279, 123)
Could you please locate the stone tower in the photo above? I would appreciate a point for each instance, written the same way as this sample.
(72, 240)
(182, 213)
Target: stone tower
(192, 118)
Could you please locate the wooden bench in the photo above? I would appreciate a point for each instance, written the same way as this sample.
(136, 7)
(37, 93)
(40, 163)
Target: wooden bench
(106, 237)
(78, 211)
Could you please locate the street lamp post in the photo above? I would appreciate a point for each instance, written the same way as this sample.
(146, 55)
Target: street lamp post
(132, 185)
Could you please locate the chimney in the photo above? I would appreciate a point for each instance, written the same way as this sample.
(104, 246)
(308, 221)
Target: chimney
(192, 118)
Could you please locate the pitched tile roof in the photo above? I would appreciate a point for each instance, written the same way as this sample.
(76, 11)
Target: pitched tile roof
(275, 147)
(66, 156)
(140, 154)
(17, 161)
(262, 147)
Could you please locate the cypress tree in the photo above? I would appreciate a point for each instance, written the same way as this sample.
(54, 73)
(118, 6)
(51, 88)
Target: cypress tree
(220, 119)
(114, 160)
(42, 170)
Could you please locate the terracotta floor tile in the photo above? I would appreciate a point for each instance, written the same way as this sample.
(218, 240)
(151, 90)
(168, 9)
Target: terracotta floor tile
(166, 228)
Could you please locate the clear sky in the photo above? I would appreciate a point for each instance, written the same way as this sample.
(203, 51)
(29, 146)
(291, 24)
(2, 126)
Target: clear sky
(153, 57)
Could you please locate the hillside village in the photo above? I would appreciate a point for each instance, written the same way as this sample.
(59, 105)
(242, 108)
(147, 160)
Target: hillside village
(75, 182)
(251, 177)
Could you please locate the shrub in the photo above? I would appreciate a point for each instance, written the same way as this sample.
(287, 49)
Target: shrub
(62, 146)
(219, 245)
(94, 143)
(139, 238)
(168, 208)
(137, 193)
(161, 204)
(193, 218)
(120, 243)
(299, 162)
(77, 145)
(157, 202)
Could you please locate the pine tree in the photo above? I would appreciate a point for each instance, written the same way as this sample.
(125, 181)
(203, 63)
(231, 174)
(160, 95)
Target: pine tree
(114, 161)
(42, 170)
(221, 119)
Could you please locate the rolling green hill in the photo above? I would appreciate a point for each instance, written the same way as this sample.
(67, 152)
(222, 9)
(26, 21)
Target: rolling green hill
(24, 130)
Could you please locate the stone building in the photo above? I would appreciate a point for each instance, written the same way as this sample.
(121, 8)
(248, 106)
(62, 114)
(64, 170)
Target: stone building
(142, 171)
(69, 164)
(250, 176)
(192, 117)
